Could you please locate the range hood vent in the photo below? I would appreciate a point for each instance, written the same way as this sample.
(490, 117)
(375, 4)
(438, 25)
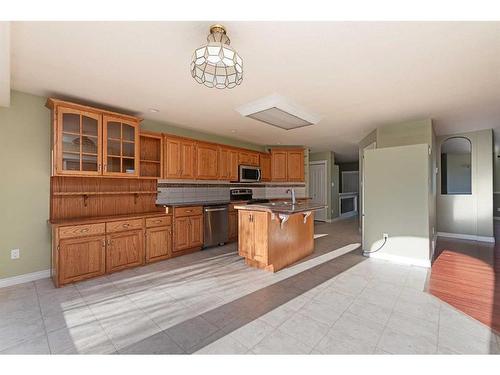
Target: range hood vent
(276, 110)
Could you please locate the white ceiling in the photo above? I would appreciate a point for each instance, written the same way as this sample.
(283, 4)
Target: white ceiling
(355, 75)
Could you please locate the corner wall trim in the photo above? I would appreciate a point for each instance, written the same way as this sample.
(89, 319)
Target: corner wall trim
(27, 277)
(402, 260)
(467, 237)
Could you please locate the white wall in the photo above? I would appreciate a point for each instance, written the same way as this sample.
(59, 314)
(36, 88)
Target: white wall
(470, 215)
(397, 192)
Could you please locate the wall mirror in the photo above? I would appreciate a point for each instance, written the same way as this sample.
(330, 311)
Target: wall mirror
(456, 174)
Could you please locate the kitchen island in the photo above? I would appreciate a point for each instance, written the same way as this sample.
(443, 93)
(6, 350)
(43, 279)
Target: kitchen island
(274, 235)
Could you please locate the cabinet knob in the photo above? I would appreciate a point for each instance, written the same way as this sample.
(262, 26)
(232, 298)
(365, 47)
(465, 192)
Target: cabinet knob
(126, 225)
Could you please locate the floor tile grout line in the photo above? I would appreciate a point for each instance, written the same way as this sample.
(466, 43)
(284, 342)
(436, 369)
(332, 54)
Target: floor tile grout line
(31, 337)
(388, 320)
(97, 320)
(42, 316)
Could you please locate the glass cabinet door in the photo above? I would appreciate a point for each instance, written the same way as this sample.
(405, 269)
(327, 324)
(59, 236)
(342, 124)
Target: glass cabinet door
(79, 144)
(121, 142)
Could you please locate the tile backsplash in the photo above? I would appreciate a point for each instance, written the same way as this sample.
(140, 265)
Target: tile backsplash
(200, 193)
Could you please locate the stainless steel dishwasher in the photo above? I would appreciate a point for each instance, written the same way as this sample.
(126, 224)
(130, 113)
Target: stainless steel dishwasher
(215, 231)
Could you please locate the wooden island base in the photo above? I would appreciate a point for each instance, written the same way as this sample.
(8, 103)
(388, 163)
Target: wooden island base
(268, 243)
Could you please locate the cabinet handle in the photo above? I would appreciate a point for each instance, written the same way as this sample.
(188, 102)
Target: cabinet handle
(99, 167)
(103, 243)
(188, 211)
(126, 225)
(105, 167)
(85, 230)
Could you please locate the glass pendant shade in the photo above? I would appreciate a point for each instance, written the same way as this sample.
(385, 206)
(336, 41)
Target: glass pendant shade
(217, 64)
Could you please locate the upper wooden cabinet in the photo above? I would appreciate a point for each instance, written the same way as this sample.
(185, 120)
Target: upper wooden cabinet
(265, 167)
(91, 142)
(180, 158)
(228, 164)
(121, 146)
(278, 165)
(248, 158)
(207, 161)
(295, 165)
(151, 154)
(287, 165)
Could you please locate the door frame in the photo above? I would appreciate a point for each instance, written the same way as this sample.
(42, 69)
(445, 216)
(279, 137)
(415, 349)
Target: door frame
(361, 203)
(325, 171)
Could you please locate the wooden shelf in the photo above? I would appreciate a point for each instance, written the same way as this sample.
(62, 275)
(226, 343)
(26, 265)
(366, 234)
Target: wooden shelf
(74, 193)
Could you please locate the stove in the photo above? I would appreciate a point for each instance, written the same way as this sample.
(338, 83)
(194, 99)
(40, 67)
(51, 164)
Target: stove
(245, 195)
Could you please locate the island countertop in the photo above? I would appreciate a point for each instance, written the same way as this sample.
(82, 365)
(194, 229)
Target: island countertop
(281, 207)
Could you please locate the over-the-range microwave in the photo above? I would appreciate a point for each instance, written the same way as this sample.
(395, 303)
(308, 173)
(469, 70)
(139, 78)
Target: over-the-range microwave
(249, 173)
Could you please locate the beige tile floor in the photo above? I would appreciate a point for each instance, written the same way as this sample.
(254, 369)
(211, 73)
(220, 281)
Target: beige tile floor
(334, 302)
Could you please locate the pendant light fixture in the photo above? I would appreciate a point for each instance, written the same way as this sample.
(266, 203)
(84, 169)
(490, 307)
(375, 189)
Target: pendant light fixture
(217, 64)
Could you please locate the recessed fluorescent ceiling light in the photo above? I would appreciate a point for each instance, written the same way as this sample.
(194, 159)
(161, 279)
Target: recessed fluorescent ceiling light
(278, 111)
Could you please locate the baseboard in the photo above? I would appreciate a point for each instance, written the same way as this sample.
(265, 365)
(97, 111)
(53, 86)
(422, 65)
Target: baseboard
(467, 237)
(27, 277)
(401, 260)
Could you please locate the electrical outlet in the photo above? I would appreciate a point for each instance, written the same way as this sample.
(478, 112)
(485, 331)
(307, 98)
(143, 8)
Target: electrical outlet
(385, 236)
(15, 254)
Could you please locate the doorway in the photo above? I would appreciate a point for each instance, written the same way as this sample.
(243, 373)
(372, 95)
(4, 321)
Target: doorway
(318, 187)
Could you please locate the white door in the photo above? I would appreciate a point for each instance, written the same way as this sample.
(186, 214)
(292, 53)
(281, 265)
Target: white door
(317, 188)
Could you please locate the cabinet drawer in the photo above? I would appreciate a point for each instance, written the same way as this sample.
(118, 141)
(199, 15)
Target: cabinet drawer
(81, 230)
(188, 211)
(158, 221)
(118, 226)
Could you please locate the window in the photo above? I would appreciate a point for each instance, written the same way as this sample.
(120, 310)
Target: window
(456, 176)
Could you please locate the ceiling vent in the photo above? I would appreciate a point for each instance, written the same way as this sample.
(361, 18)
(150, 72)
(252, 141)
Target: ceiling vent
(276, 110)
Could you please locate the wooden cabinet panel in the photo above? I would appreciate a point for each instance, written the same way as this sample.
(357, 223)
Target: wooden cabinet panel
(207, 161)
(233, 165)
(172, 155)
(181, 233)
(245, 234)
(81, 230)
(81, 258)
(158, 243)
(188, 159)
(124, 250)
(278, 165)
(295, 165)
(233, 226)
(122, 225)
(265, 167)
(228, 164)
(252, 235)
(158, 221)
(260, 228)
(120, 147)
(195, 231)
(248, 158)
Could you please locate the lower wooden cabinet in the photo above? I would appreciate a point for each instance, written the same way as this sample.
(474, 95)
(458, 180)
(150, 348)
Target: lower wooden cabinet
(188, 228)
(124, 250)
(252, 240)
(158, 244)
(83, 251)
(81, 258)
(233, 225)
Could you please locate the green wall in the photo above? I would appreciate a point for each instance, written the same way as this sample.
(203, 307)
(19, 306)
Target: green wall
(25, 184)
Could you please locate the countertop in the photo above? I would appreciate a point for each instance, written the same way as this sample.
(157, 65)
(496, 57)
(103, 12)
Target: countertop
(281, 207)
(198, 203)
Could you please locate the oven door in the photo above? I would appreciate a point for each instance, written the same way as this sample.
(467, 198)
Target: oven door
(249, 174)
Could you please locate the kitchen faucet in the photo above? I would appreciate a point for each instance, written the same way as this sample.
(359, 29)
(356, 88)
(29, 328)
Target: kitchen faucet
(292, 190)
